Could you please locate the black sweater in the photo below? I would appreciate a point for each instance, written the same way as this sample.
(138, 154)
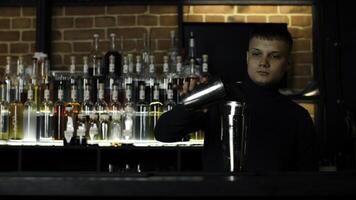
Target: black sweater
(281, 134)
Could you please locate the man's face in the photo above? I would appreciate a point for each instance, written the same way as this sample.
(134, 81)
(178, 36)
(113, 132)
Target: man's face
(267, 61)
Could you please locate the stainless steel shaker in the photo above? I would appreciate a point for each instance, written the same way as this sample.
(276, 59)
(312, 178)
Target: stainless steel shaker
(234, 135)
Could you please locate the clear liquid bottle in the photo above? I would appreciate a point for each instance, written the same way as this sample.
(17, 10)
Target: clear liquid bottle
(173, 50)
(4, 115)
(112, 79)
(16, 117)
(30, 117)
(115, 110)
(141, 116)
(72, 109)
(178, 80)
(8, 79)
(155, 111)
(205, 69)
(169, 103)
(96, 65)
(45, 118)
(128, 117)
(86, 110)
(87, 78)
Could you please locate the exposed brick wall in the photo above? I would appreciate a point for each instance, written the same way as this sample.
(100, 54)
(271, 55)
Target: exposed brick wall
(73, 28)
(17, 33)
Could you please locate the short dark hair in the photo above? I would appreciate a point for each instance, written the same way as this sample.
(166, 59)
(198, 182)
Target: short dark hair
(272, 32)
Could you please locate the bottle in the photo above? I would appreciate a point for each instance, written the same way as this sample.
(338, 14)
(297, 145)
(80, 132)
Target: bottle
(72, 109)
(111, 79)
(178, 80)
(45, 118)
(22, 80)
(205, 69)
(16, 117)
(125, 73)
(104, 125)
(115, 111)
(113, 52)
(173, 51)
(69, 132)
(146, 51)
(34, 82)
(86, 110)
(169, 103)
(96, 68)
(101, 105)
(30, 117)
(8, 79)
(193, 71)
(60, 121)
(141, 116)
(166, 76)
(72, 76)
(87, 79)
(128, 117)
(151, 77)
(138, 78)
(93, 131)
(155, 111)
(4, 115)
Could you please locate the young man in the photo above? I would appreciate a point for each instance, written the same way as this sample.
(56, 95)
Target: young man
(281, 134)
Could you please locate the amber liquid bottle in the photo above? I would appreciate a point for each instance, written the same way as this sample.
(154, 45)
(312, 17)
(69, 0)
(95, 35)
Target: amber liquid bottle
(60, 121)
(16, 118)
(116, 55)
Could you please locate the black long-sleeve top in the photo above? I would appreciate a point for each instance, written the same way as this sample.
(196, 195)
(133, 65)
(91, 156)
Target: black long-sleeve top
(280, 137)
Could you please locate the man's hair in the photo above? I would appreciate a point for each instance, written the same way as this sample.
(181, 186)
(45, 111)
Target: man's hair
(272, 32)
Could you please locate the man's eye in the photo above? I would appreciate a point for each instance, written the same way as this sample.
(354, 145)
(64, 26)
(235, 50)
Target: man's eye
(255, 53)
(275, 56)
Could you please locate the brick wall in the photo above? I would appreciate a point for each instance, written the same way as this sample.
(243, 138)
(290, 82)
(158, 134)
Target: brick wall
(17, 33)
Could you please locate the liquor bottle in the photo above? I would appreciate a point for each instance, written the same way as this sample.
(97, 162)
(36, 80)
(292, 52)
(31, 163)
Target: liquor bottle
(104, 127)
(101, 109)
(69, 132)
(87, 110)
(151, 78)
(96, 67)
(22, 80)
(178, 79)
(166, 77)
(128, 116)
(145, 51)
(81, 131)
(72, 76)
(169, 103)
(125, 73)
(16, 117)
(93, 131)
(4, 115)
(116, 57)
(173, 50)
(30, 117)
(111, 79)
(115, 111)
(45, 119)
(60, 121)
(193, 71)
(8, 79)
(205, 69)
(155, 111)
(35, 83)
(72, 109)
(138, 78)
(141, 116)
(87, 79)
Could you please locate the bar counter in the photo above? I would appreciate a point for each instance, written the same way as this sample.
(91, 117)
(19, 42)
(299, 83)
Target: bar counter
(177, 185)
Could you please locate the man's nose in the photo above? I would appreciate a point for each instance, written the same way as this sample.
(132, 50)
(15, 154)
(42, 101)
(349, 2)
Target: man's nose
(264, 62)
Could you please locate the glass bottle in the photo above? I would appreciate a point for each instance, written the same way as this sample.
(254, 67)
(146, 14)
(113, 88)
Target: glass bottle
(178, 80)
(115, 111)
(205, 68)
(87, 79)
(111, 79)
(35, 83)
(8, 79)
(128, 117)
(96, 67)
(16, 117)
(72, 109)
(30, 117)
(117, 57)
(101, 109)
(173, 51)
(21, 79)
(141, 116)
(155, 111)
(4, 115)
(87, 110)
(169, 103)
(60, 121)
(45, 118)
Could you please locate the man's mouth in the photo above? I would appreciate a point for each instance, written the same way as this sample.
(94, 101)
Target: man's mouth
(263, 73)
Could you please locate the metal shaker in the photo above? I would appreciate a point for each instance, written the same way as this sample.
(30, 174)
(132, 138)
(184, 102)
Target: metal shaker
(234, 135)
(205, 95)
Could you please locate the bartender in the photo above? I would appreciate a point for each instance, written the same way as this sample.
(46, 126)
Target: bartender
(281, 134)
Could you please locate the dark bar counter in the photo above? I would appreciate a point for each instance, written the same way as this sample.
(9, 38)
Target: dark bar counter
(176, 185)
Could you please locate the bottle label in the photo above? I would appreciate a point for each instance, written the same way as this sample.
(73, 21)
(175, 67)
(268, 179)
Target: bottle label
(30, 94)
(152, 68)
(60, 94)
(142, 94)
(86, 95)
(112, 67)
(156, 94)
(165, 67)
(46, 94)
(138, 68)
(205, 67)
(179, 67)
(169, 94)
(125, 69)
(73, 94)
